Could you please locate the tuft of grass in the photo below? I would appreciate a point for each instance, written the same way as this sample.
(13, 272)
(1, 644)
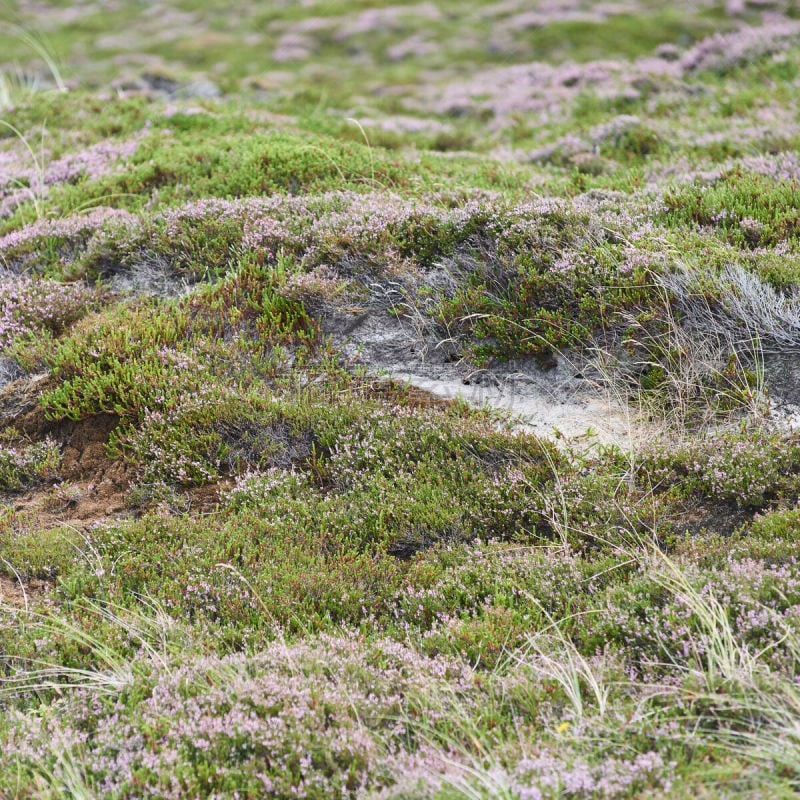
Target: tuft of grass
(17, 83)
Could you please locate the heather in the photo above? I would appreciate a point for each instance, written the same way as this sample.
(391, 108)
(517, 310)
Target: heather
(399, 400)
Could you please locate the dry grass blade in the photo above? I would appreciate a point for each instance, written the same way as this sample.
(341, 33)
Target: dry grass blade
(115, 671)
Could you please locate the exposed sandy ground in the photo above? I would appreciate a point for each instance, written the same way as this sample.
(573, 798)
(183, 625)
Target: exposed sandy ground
(559, 400)
(554, 414)
(555, 401)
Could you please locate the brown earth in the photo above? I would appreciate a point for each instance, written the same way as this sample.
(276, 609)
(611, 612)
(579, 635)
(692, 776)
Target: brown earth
(19, 596)
(19, 405)
(708, 515)
(98, 485)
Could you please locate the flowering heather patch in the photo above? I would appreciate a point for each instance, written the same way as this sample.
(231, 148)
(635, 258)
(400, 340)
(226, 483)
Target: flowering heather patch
(195, 436)
(206, 238)
(273, 716)
(306, 720)
(164, 450)
(49, 243)
(544, 90)
(780, 167)
(321, 282)
(253, 489)
(329, 225)
(94, 162)
(79, 225)
(91, 163)
(724, 52)
(548, 284)
(393, 440)
(662, 635)
(743, 467)
(546, 774)
(292, 47)
(31, 307)
(270, 571)
(352, 235)
(211, 234)
(750, 209)
(23, 466)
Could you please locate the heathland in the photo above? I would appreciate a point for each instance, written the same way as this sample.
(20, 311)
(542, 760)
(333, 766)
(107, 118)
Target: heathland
(399, 401)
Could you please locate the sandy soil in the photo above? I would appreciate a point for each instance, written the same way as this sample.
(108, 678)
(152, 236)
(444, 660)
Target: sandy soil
(556, 402)
(553, 414)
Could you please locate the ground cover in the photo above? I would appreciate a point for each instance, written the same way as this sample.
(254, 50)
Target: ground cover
(399, 400)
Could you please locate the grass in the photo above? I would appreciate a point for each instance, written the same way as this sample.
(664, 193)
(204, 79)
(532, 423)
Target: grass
(17, 82)
(237, 559)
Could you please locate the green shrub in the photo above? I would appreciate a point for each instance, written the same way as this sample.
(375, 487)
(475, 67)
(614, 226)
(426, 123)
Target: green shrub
(748, 466)
(748, 209)
(142, 356)
(28, 464)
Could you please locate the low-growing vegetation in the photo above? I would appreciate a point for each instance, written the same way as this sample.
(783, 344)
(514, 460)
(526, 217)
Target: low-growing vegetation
(399, 401)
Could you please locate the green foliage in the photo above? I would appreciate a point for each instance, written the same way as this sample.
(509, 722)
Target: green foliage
(182, 167)
(118, 362)
(620, 35)
(553, 283)
(748, 209)
(146, 356)
(353, 584)
(208, 433)
(34, 552)
(748, 466)
(25, 465)
(637, 143)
